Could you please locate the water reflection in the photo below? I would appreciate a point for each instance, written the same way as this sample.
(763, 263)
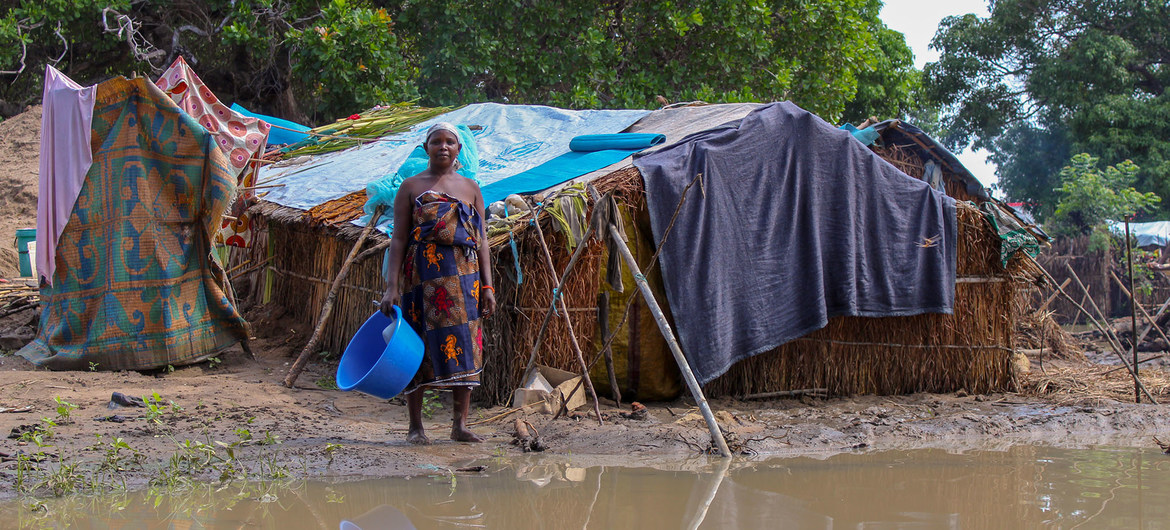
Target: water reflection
(1024, 486)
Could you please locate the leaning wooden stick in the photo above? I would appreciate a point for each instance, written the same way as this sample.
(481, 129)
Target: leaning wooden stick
(1141, 309)
(560, 285)
(1161, 310)
(1108, 330)
(607, 352)
(565, 315)
(1053, 296)
(327, 309)
(1116, 349)
(668, 333)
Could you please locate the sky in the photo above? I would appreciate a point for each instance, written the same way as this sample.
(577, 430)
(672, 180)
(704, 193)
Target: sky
(918, 20)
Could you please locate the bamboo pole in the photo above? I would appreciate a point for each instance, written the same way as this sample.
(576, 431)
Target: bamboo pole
(788, 393)
(668, 334)
(327, 309)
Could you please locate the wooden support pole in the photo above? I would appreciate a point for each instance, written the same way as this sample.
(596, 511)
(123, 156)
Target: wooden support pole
(565, 312)
(327, 309)
(668, 334)
(1137, 395)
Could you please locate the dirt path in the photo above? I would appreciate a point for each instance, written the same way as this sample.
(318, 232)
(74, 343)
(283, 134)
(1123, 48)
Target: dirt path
(325, 432)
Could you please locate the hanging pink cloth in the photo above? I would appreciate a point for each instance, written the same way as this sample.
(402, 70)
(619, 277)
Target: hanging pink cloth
(66, 121)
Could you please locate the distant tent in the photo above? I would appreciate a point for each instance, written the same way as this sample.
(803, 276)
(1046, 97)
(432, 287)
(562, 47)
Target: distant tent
(136, 285)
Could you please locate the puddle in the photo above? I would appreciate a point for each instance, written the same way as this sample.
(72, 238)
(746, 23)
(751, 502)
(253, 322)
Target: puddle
(1022, 487)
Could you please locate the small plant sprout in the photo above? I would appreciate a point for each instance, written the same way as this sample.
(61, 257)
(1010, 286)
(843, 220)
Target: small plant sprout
(330, 450)
(93, 367)
(214, 362)
(64, 409)
(431, 403)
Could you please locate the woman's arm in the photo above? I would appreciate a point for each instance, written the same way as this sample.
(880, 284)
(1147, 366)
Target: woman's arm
(403, 224)
(487, 297)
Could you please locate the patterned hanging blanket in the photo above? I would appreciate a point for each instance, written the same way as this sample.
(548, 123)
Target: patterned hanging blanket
(440, 299)
(242, 139)
(136, 286)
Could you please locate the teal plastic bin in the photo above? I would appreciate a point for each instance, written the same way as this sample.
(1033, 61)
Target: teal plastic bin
(24, 236)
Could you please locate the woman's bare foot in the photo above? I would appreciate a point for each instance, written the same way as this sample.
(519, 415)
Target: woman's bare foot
(461, 434)
(417, 437)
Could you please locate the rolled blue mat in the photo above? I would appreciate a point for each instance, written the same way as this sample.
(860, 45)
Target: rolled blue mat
(603, 142)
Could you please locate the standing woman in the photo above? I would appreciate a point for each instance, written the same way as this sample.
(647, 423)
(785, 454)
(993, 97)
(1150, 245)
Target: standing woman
(440, 274)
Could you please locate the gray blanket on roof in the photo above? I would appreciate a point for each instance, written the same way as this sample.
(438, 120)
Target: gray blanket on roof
(795, 222)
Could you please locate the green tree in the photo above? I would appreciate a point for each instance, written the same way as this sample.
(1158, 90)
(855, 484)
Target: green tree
(620, 53)
(315, 59)
(1039, 79)
(1090, 196)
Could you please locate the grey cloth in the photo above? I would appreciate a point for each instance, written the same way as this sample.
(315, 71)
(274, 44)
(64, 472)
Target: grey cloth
(795, 222)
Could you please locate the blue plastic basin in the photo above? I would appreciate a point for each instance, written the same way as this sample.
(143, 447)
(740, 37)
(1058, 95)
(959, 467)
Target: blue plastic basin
(378, 368)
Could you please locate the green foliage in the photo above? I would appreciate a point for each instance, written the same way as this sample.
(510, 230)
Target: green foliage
(431, 403)
(350, 59)
(326, 382)
(156, 409)
(1090, 196)
(64, 409)
(579, 53)
(1039, 80)
(314, 60)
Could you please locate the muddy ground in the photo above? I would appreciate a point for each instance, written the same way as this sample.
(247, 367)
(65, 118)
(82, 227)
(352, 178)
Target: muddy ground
(324, 432)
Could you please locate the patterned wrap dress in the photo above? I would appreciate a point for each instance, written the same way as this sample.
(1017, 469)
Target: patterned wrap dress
(441, 284)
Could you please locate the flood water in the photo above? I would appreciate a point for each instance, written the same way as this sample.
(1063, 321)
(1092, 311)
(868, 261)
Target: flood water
(1021, 487)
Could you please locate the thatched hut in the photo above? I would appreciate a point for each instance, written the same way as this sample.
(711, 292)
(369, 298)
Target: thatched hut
(300, 251)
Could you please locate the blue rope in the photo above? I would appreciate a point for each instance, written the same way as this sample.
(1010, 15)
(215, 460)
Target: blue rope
(640, 277)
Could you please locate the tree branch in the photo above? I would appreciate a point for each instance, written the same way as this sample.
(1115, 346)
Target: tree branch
(23, 54)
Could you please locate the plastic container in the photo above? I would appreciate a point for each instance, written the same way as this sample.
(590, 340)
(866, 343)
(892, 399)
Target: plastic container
(23, 237)
(378, 367)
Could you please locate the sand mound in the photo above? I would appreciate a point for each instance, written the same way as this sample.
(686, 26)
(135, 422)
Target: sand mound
(20, 146)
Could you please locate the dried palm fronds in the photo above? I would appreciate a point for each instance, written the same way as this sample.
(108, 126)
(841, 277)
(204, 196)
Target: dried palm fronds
(368, 126)
(340, 210)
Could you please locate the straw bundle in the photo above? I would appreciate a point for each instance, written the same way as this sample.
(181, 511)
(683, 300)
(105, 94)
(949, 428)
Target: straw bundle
(1084, 383)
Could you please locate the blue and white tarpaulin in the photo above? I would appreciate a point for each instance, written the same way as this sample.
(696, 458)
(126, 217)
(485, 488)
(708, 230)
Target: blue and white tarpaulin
(512, 139)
